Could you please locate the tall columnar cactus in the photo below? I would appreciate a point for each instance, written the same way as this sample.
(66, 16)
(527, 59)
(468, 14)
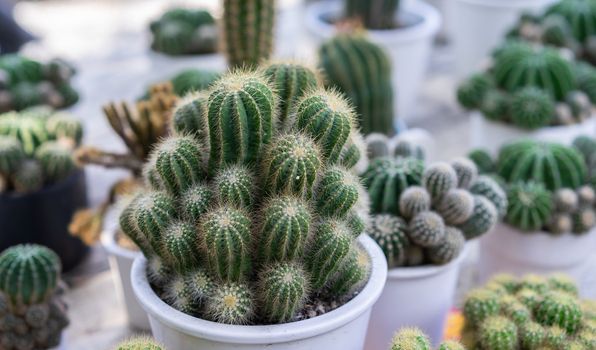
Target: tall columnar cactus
(390, 233)
(248, 31)
(362, 71)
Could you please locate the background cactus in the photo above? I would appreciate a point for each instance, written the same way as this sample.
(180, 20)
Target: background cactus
(390, 233)
(530, 206)
(532, 108)
(427, 229)
(248, 31)
(11, 154)
(375, 14)
(192, 80)
(362, 71)
(56, 161)
(182, 31)
(439, 179)
(579, 14)
(410, 338)
(471, 93)
(139, 344)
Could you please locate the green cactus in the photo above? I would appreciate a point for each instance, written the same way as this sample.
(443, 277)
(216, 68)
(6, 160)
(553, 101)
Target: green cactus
(362, 71)
(375, 14)
(291, 81)
(484, 218)
(283, 288)
(466, 171)
(387, 178)
(471, 93)
(377, 145)
(56, 161)
(490, 189)
(28, 177)
(139, 344)
(240, 116)
(11, 154)
(561, 166)
(286, 225)
(528, 297)
(565, 200)
(291, 164)
(180, 245)
(479, 305)
(189, 116)
(147, 217)
(555, 30)
(530, 206)
(390, 233)
(195, 201)
(157, 271)
(555, 337)
(29, 274)
(498, 333)
(583, 220)
(192, 80)
(559, 309)
(483, 160)
(231, 303)
(451, 345)
(531, 335)
(65, 126)
(226, 240)
(515, 310)
(410, 339)
(579, 14)
(352, 274)
(234, 185)
(426, 229)
(496, 105)
(177, 293)
(534, 282)
(532, 108)
(580, 104)
(405, 148)
(248, 31)
(456, 207)
(449, 248)
(178, 163)
(30, 131)
(327, 118)
(354, 152)
(330, 246)
(439, 179)
(564, 283)
(414, 200)
(182, 31)
(338, 192)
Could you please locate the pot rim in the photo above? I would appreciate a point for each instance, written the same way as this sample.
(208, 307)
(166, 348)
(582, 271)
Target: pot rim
(505, 3)
(419, 272)
(428, 26)
(108, 241)
(268, 334)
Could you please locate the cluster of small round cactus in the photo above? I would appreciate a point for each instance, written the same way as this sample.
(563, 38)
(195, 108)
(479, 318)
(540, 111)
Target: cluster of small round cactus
(36, 147)
(415, 339)
(530, 313)
(249, 216)
(510, 92)
(426, 215)
(181, 31)
(26, 83)
(32, 314)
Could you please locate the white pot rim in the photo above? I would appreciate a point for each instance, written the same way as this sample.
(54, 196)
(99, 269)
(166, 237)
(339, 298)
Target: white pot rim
(511, 126)
(420, 272)
(269, 334)
(108, 241)
(427, 27)
(548, 236)
(503, 3)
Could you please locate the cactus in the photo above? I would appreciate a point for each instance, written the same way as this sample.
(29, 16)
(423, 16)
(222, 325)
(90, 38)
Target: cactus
(565, 200)
(472, 92)
(580, 104)
(150, 213)
(180, 245)
(329, 247)
(456, 207)
(28, 177)
(583, 220)
(56, 161)
(498, 333)
(426, 229)
(579, 14)
(515, 310)
(483, 160)
(376, 14)
(410, 339)
(484, 218)
(327, 118)
(586, 196)
(377, 145)
(189, 116)
(561, 166)
(248, 31)
(64, 126)
(532, 108)
(11, 155)
(564, 283)
(183, 31)
(139, 344)
(195, 202)
(234, 185)
(439, 179)
(338, 192)
(451, 345)
(480, 305)
(466, 171)
(362, 71)
(191, 80)
(386, 179)
(282, 288)
(490, 189)
(240, 116)
(231, 303)
(291, 81)
(531, 335)
(530, 206)
(353, 155)
(414, 200)
(560, 223)
(351, 275)
(178, 163)
(390, 233)
(30, 131)
(449, 248)
(405, 148)
(496, 105)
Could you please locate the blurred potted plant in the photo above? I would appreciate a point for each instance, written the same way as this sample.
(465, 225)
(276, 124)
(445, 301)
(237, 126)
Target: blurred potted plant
(530, 91)
(414, 338)
(422, 219)
(41, 184)
(550, 218)
(406, 31)
(139, 344)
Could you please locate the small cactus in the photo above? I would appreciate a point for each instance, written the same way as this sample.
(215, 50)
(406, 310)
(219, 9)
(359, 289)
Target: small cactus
(414, 200)
(139, 344)
(586, 196)
(466, 171)
(583, 220)
(483, 160)
(56, 161)
(532, 108)
(231, 303)
(11, 154)
(351, 275)
(150, 213)
(438, 179)
(451, 345)
(410, 339)
(560, 223)
(566, 200)
(328, 249)
(28, 177)
(490, 189)
(64, 126)
(181, 31)
(530, 206)
(234, 185)
(338, 192)
(180, 245)
(480, 305)
(189, 116)
(283, 289)
(195, 202)
(29, 130)
(498, 333)
(472, 92)
(456, 206)
(449, 248)
(484, 218)
(560, 309)
(178, 163)
(496, 105)
(531, 335)
(426, 229)
(390, 233)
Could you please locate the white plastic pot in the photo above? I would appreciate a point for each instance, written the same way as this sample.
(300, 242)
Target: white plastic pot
(343, 328)
(410, 47)
(509, 250)
(414, 296)
(121, 260)
(477, 27)
(490, 135)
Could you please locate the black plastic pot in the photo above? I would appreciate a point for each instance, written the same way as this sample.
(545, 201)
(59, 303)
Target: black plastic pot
(43, 217)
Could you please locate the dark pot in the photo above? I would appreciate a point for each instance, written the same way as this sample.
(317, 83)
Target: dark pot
(43, 217)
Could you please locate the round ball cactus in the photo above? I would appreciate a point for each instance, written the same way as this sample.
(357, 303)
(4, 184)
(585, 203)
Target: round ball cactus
(530, 206)
(29, 130)
(496, 105)
(484, 217)
(581, 16)
(410, 339)
(414, 200)
(479, 305)
(531, 335)
(559, 309)
(583, 220)
(560, 223)
(498, 333)
(439, 179)
(565, 200)
(483, 160)
(282, 288)
(139, 344)
(190, 81)
(471, 93)
(11, 154)
(231, 303)
(449, 248)
(390, 233)
(487, 187)
(56, 160)
(426, 229)
(466, 171)
(28, 177)
(456, 207)
(532, 108)
(586, 195)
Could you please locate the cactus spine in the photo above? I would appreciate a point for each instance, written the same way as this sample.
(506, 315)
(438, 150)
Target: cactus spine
(231, 303)
(234, 185)
(456, 207)
(530, 206)
(139, 344)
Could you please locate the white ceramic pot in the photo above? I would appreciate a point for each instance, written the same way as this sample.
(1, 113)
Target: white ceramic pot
(414, 296)
(509, 250)
(121, 260)
(410, 47)
(441, 6)
(490, 135)
(477, 27)
(343, 328)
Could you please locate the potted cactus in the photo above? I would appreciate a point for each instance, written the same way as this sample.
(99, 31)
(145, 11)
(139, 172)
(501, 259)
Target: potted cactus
(550, 218)
(41, 184)
(32, 312)
(415, 339)
(529, 313)
(404, 29)
(139, 344)
(530, 91)
(250, 227)
(423, 216)
(26, 83)
(477, 27)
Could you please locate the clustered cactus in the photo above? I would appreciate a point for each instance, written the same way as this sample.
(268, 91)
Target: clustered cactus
(415, 339)
(374, 14)
(530, 313)
(139, 344)
(36, 148)
(531, 86)
(247, 219)
(181, 31)
(547, 185)
(424, 215)
(32, 313)
(26, 83)
(362, 71)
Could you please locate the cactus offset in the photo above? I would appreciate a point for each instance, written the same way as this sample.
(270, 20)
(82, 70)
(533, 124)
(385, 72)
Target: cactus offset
(438, 179)
(466, 171)
(338, 192)
(189, 116)
(483, 160)
(231, 303)
(498, 333)
(414, 200)
(390, 233)
(195, 202)
(532, 108)
(472, 92)
(234, 185)
(449, 248)
(426, 229)
(410, 339)
(456, 207)
(178, 163)
(352, 274)
(283, 290)
(490, 189)
(328, 249)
